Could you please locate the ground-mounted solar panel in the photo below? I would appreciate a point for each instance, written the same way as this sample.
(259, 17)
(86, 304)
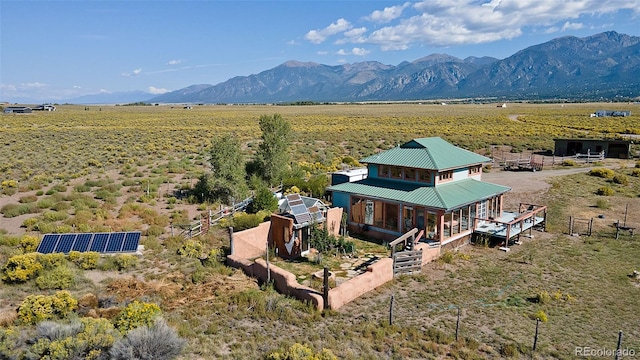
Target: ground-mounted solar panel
(115, 242)
(99, 242)
(131, 242)
(82, 242)
(48, 243)
(65, 243)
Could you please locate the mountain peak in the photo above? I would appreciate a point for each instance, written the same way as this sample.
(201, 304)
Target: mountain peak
(295, 63)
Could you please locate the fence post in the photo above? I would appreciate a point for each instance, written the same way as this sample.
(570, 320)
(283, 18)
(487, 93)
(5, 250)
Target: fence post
(535, 338)
(391, 310)
(268, 268)
(325, 289)
(458, 323)
(231, 240)
(619, 345)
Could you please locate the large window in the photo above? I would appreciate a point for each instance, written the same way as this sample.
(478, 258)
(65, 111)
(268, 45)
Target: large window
(424, 175)
(396, 172)
(375, 212)
(410, 174)
(383, 171)
(391, 216)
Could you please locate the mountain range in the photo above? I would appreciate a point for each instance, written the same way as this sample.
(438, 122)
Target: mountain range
(597, 67)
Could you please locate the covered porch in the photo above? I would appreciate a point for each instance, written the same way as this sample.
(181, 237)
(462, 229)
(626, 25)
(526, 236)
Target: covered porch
(512, 224)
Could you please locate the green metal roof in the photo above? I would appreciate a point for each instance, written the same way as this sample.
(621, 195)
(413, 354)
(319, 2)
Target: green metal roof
(446, 196)
(426, 153)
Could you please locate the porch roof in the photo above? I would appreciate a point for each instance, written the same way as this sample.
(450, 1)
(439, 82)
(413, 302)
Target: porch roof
(445, 196)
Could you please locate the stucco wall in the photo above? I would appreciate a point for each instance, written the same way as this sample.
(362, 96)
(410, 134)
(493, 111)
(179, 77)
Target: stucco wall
(251, 243)
(334, 218)
(377, 274)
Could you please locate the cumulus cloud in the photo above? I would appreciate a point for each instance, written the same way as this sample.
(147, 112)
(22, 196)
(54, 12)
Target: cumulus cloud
(387, 14)
(462, 22)
(174, 62)
(134, 73)
(156, 91)
(355, 51)
(319, 36)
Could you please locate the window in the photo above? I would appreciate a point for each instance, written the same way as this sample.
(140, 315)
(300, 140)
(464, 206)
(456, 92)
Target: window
(424, 175)
(396, 172)
(410, 174)
(383, 171)
(391, 216)
(446, 175)
(474, 169)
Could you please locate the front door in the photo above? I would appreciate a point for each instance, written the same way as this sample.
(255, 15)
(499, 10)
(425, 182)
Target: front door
(407, 218)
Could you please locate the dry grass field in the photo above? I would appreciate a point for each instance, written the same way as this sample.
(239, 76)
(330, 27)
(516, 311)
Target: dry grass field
(115, 168)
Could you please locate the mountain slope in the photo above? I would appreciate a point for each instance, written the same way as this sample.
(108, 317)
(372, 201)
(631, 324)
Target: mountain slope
(606, 64)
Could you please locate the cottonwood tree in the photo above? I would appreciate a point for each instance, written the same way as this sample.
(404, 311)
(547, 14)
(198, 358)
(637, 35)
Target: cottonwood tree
(226, 180)
(272, 155)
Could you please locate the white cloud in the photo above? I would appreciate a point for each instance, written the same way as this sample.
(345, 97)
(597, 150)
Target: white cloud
(134, 73)
(319, 36)
(388, 14)
(174, 62)
(105, 91)
(156, 91)
(462, 22)
(355, 51)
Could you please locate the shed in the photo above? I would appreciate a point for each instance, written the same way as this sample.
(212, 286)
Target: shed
(351, 175)
(613, 148)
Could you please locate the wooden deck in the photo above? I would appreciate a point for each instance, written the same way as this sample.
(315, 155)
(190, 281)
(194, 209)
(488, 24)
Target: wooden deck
(513, 224)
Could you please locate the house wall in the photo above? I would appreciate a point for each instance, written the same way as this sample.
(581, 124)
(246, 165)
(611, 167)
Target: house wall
(334, 218)
(281, 232)
(341, 200)
(460, 174)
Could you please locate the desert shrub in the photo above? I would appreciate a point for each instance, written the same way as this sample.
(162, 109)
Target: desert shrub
(60, 278)
(621, 179)
(13, 210)
(543, 297)
(20, 268)
(635, 173)
(85, 339)
(126, 261)
(605, 191)
(156, 342)
(243, 221)
(136, 314)
(29, 243)
(602, 172)
(46, 203)
(155, 230)
(299, 351)
(53, 260)
(85, 260)
(263, 200)
(602, 204)
(568, 162)
(81, 188)
(36, 308)
(191, 249)
(509, 350)
(28, 199)
(539, 315)
(53, 216)
(59, 188)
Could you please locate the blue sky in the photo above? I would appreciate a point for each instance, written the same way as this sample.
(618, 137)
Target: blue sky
(52, 50)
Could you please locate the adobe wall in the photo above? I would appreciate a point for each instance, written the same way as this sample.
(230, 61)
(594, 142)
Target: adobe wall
(428, 253)
(377, 274)
(251, 243)
(334, 218)
(283, 281)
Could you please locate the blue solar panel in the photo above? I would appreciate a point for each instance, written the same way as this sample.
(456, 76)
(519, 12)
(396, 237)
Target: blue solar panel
(82, 242)
(48, 243)
(99, 242)
(65, 243)
(131, 242)
(115, 242)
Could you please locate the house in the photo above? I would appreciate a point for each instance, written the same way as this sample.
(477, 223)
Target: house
(615, 113)
(17, 110)
(292, 225)
(45, 107)
(428, 184)
(612, 148)
(349, 175)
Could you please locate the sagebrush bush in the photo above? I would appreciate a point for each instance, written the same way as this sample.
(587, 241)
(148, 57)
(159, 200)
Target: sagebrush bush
(191, 249)
(36, 308)
(52, 260)
(155, 342)
(602, 172)
(20, 268)
(136, 314)
(126, 261)
(568, 162)
(621, 179)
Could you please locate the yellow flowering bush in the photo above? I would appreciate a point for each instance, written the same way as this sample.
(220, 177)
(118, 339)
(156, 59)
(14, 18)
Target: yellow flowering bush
(20, 268)
(85, 260)
(36, 308)
(136, 314)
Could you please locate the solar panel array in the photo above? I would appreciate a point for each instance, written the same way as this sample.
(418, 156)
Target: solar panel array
(115, 242)
(300, 212)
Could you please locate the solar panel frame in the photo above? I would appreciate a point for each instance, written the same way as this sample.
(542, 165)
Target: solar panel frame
(131, 241)
(99, 242)
(48, 243)
(65, 243)
(82, 242)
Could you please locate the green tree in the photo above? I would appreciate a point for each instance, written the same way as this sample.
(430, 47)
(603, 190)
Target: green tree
(226, 181)
(263, 200)
(272, 156)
